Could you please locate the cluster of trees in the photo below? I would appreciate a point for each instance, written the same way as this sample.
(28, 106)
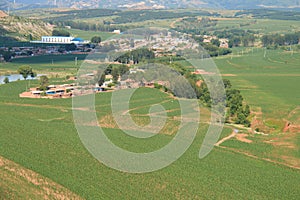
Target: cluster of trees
(60, 32)
(237, 111)
(214, 50)
(7, 55)
(26, 71)
(83, 14)
(115, 70)
(67, 47)
(271, 14)
(136, 56)
(96, 39)
(104, 27)
(144, 15)
(237, 37)
(280, 40)
(194, 26)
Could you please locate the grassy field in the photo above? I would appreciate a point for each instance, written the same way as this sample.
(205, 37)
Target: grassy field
(52, 65)
(267, 82)
(270, 86)
(87, 35)
(266, 26)
(40, 135)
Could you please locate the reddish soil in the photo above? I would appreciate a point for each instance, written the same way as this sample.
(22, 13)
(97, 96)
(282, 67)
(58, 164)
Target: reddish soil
(242, 138)
(229, 75)
(2, 14)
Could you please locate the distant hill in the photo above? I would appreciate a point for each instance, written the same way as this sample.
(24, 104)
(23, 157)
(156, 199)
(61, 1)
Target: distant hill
(22, 29)
(154, 4)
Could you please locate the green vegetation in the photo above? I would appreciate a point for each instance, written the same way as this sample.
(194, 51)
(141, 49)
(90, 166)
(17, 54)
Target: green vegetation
(51, 147)
(6, 80)
(261, 86)
(52, 65)
(136, 56)
(60, 33)
(271, 14)
(96, 39)
(25, 71)
(15, 28)
(7, 55)
(280, 40)
(267, 78)
(44, 82)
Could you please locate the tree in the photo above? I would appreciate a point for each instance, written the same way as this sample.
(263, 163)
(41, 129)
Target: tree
(25, 71)
(70, 47)
(215, 42)
(96, 39)
(44, 82)
(101, 79)
(227, 84)
(30, 38)
(115, 74)
(247, 110)
(6, 80)
(7, 55)
(123, 69)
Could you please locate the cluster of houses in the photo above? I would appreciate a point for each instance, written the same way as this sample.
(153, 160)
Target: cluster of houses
(223, 41)
(52, 92)
(67, 90)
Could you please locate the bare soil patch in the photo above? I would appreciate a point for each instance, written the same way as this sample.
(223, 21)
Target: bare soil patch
(229, 75)
(232, 135)
(243, 138)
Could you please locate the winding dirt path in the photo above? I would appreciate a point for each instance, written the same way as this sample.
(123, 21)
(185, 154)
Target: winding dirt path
(233, 134)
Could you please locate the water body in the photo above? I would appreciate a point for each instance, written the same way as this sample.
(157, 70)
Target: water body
(16, 77)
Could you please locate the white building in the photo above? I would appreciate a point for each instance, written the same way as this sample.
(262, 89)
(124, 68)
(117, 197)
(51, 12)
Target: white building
(57, 39)
(61, 40)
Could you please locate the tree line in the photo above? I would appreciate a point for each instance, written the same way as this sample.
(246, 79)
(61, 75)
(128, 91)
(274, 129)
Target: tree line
(280, 40)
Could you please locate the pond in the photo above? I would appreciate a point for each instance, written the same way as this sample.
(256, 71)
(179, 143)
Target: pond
(16, 77)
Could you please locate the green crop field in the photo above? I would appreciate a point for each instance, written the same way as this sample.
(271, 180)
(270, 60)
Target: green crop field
(39, 134)
(265, 26)
(266, 82)
(269, 85)
(52, 65)
(87, 35)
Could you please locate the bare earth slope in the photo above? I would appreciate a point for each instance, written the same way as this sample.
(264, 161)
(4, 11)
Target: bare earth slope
(16, 182)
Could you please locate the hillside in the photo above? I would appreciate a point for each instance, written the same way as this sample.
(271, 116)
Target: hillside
(18, 182)
(156, 4)
(2, 14)
(18, 28)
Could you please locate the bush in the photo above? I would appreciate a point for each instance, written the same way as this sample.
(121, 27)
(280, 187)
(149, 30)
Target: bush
(157, 86)
(111, 85)
(6, 80)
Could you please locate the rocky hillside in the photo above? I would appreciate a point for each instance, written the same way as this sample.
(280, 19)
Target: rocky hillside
(22, 29)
